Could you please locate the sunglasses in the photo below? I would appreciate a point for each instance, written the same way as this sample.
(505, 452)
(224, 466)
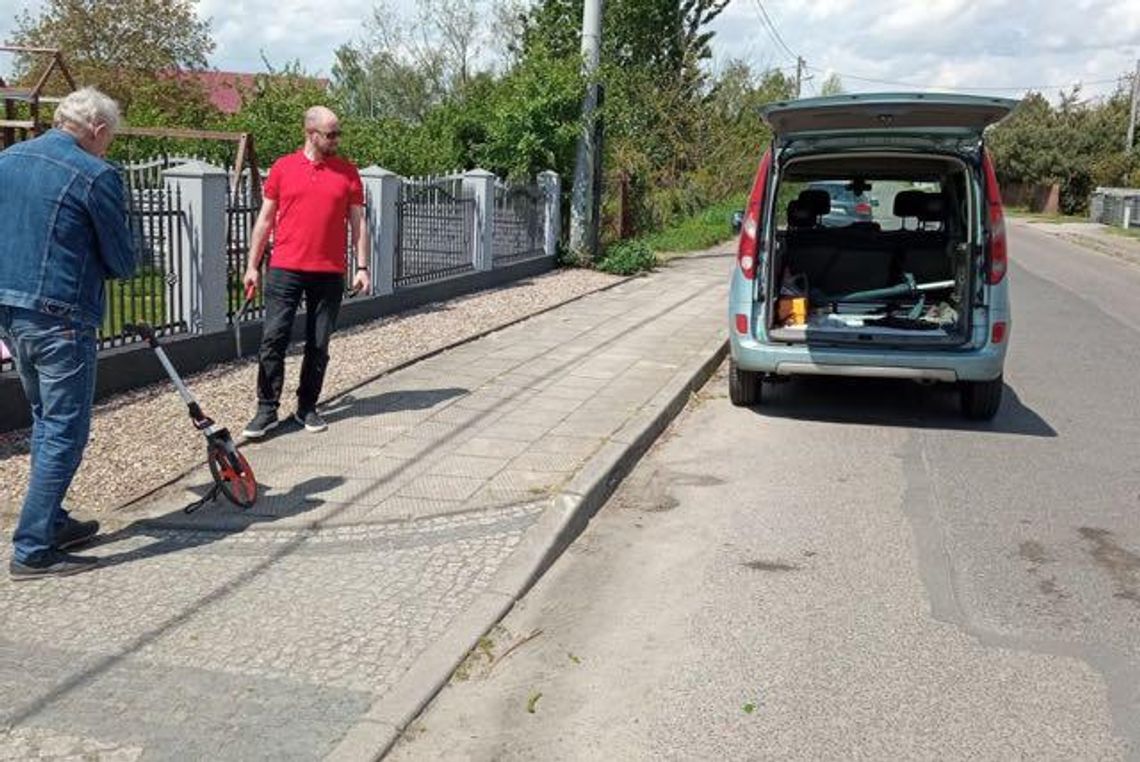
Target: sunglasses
(330, 135)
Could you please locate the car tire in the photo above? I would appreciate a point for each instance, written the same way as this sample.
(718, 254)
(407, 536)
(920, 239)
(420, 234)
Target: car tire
(981, 399)
(743, 386)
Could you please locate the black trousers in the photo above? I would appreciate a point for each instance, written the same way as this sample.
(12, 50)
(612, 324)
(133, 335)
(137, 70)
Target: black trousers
(283, 292)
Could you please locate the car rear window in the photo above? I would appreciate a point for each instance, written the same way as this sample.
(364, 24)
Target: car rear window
(848, 208)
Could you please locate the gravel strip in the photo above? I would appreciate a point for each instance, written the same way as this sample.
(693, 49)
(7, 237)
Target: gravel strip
(142, 439)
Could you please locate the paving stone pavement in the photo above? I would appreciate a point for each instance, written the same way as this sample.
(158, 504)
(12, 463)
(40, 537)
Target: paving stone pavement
(269, 633)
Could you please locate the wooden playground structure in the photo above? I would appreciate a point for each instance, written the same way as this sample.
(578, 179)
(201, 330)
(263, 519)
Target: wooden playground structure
(16, 126)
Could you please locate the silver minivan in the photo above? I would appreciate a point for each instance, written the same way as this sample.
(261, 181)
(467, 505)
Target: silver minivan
(917, 289)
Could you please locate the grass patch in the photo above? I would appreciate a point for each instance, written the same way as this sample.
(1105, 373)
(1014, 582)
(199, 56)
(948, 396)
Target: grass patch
(1023, 213)
(1133, 233)
(141, 298)
(641, 254)
(700, 231)
(477, 659)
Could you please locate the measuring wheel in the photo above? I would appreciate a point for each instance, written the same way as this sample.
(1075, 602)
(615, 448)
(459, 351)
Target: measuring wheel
(232, 474)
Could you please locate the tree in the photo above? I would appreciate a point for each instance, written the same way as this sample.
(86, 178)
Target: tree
(115, 44)
(403, 69)
(274, 111)
(1077, 144)
(833, 85)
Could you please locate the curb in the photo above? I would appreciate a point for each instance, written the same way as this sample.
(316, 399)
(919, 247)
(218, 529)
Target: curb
(241, 441)
(380, 727)
(1101, 246)
(1098, 244)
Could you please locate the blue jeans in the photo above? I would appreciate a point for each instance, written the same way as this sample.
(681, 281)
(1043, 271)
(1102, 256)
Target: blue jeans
(56, 361)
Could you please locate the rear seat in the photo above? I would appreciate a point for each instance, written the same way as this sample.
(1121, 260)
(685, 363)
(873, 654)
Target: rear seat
(923, 253)
(835, 260)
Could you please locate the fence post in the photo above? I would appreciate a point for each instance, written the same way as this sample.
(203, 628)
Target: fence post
(202, 271)
(382, 193)
(481, 185)
(551, 185)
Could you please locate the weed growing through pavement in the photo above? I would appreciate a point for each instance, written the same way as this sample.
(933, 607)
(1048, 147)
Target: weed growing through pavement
(532, 702)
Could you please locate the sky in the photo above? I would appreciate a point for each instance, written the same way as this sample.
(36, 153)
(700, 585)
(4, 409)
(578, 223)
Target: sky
(997, 47)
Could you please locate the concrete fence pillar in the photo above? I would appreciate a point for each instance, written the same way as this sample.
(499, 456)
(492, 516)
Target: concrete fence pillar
(480, 184)
(550, 184)
(202, 269)
(382, 194)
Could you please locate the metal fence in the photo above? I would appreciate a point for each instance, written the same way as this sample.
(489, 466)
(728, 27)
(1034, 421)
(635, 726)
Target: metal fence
(518, 226)
(148, 173)
(436, 223)
(1119, 207)
(155, 219)
(242, 207)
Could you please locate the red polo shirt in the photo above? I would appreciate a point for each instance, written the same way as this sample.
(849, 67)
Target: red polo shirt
(313, 199)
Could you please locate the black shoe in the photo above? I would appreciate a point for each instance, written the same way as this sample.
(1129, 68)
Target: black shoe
(76, 533)
(310, 420)
(264, 422)
(55, 564)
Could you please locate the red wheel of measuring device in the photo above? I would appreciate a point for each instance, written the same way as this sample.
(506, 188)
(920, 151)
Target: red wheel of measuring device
(233, 475)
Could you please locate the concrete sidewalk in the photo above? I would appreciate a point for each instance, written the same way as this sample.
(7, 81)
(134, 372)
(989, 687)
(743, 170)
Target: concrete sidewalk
(320, 621)
(1090, 235)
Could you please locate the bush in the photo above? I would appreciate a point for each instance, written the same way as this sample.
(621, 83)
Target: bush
(628, 258)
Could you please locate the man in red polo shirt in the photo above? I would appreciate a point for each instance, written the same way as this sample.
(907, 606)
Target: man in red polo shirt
(310, 195)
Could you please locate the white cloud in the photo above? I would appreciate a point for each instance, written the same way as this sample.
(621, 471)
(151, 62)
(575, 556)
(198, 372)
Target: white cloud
(966, 44)
(932, 43)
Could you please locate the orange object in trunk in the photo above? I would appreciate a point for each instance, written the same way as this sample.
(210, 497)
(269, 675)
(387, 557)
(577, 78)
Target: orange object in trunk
(791, 310)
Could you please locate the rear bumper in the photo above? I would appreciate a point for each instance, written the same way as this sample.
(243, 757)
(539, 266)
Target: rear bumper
(983, 364)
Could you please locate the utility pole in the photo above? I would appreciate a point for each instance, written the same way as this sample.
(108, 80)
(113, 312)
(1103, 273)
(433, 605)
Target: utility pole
(800, 63)
(1132, 114)
(584, 200)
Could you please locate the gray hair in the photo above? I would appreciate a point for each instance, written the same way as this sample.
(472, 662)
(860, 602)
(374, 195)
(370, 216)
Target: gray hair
(87, 108)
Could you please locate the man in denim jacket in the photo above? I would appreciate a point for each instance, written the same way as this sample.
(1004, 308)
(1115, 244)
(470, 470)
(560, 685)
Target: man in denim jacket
(63, 231)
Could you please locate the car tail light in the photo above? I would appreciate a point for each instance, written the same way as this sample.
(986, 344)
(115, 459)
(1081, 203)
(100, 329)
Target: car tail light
(750, 230)
(997, 334)
(997, 250)
(863, 208)
(742, 324)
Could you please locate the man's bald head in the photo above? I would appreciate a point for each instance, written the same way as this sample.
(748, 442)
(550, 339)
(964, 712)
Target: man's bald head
(317, 117)
(322, 132)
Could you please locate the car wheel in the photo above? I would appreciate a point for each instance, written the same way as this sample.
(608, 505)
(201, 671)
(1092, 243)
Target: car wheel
(743, 386)
(981, 399)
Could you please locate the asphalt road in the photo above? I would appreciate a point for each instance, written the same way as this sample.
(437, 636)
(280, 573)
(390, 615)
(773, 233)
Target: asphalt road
(852, 571)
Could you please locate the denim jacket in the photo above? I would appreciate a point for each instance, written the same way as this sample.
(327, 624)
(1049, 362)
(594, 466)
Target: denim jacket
(63, 228)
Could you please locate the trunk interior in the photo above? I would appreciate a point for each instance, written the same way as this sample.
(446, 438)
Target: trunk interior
(873, 248)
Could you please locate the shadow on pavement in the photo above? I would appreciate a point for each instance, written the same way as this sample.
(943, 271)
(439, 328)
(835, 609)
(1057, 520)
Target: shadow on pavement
(882, 402)
(351, 406)
(177, 530)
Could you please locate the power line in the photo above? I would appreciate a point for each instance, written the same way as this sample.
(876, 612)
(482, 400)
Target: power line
(773, 32)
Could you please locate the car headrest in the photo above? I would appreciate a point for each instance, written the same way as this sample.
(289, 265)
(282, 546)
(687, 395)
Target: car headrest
(800, 216)
(908, 203)
(817, 200)
(927, 207)
(933, 208)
